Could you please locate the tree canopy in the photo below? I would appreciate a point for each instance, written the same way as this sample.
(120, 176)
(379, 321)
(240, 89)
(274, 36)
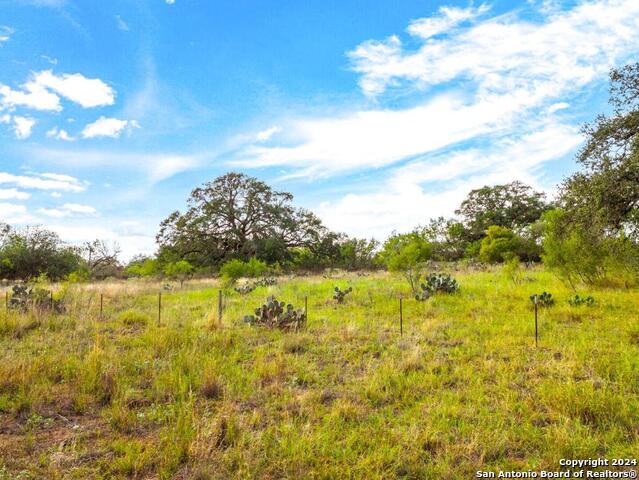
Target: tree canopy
(237, 216)
(513, 205)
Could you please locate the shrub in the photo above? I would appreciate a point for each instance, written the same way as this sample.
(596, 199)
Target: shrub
(133, 318)
(340, 295)
(501, 244)
(406, 253)
(233, 270)
(276, 314)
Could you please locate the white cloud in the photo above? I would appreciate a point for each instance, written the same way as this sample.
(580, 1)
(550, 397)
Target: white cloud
(47, 181)
(154, 166)
(14, 214)
(377, 138)
(448, 18)
(107, 127)
(22, 127)
(492, 77)
(69, 210)
(264, 135)
(56, 194)
(87, 92)
(5, 33)
(32, 95)
(170, 2)
(13, 194)
(59, 134)
(403, 201)
(43, 90)
(506, 53)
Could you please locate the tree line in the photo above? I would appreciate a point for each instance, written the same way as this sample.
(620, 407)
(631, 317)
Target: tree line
(237, 223)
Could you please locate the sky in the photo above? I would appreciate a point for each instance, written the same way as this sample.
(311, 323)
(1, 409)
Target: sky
(376, 115)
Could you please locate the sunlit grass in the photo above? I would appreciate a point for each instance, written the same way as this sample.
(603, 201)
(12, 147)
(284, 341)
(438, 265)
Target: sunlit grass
(463, 389)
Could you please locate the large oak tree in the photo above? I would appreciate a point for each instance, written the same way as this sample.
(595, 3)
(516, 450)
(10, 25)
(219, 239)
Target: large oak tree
(238, 216)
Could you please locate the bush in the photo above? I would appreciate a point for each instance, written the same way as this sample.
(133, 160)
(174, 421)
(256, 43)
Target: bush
(502, 244)
(233, 270)
(133, 318)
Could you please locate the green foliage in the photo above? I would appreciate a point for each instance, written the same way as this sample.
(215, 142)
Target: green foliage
(436, 283)
(513, 205)
(577, 301)
(143, 267)
(544, 299)
(133, 318)
(357, 254)
(512, 270)
(180, 270)
(78, 276)
(233, 270)
(274, 314)
(406, 253)
(340, 295)
(501, 244)
(573, 253)
(238, 216)
(448, 238)
(27, 253)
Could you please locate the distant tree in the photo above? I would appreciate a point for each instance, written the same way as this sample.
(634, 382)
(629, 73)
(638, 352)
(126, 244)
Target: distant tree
(357, 253)
(102, 259)
(513, 205)
(142, 266)
(179, 270)
(34, 251)
(237, 216)
(448, 238)
(406, 253)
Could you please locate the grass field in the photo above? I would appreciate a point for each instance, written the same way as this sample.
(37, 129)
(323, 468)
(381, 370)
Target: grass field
(464, 388)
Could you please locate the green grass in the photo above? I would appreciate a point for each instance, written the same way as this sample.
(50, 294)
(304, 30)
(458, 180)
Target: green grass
(463, 390)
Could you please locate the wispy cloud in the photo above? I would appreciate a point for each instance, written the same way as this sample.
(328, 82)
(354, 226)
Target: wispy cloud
(155, 167)
(45, 181)
(122, 25)
(69, 210)
(13, 194)
(5, 33)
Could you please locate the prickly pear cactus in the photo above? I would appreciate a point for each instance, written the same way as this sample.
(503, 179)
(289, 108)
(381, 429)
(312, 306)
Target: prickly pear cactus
(275, 314)
(340, 295)
(542, 300)
(266, 282)
(436, 283)
(578, 301)
(245, 289)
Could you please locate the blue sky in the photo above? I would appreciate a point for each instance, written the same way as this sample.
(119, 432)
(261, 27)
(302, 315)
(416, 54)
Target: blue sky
(376, 115)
